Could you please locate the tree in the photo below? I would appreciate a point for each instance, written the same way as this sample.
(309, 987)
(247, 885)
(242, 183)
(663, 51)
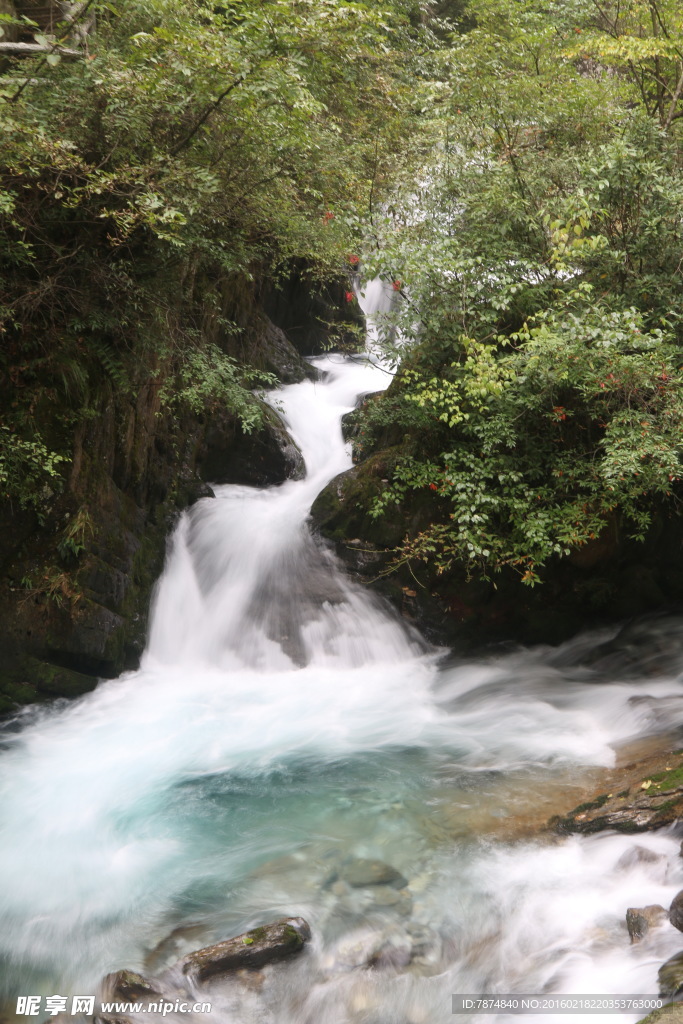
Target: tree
(193, 147)
(539, 390)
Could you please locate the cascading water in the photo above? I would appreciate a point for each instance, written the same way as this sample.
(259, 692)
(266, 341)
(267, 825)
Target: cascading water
(285, 724)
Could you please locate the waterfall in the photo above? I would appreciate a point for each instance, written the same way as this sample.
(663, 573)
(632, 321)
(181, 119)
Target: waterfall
(285, 723)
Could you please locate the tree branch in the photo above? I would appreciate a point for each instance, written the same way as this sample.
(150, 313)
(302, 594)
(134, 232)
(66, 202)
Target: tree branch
(205, 116)
(83, 10)
(29, 49)
(674, 101)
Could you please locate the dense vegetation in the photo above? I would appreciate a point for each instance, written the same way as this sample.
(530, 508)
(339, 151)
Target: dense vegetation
(539, 263)
(154, 162)
(514, 171)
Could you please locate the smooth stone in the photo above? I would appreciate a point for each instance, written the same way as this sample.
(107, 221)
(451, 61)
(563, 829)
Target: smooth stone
(360, 872)
(676, 911)
(252, 950)
(639, 920)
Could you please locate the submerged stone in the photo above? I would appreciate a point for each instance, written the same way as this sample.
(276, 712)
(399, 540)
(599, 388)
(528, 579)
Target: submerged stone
(639, 855)
(360, 872)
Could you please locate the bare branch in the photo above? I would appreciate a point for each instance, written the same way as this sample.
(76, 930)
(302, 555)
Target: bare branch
(29, 49)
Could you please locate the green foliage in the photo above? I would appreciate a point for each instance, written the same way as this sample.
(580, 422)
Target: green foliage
(29, 471)
(193, 147)
(73, 539)
(583, 416)
(539, 326)
(208, 379)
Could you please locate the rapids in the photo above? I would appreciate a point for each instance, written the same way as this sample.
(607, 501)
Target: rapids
(284, 722)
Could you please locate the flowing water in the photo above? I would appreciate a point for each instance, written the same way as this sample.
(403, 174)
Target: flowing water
(285, 724)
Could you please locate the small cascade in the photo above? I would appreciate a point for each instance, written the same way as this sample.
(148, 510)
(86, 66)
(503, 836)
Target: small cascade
(284, 728)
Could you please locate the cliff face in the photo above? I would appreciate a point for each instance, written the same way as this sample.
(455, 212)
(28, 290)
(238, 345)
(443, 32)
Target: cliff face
(76, 587)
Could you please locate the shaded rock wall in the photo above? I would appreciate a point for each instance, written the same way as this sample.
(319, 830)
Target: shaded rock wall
(72, 613)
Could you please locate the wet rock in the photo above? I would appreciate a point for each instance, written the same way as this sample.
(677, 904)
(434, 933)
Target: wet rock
(125, 986)
(671, 976)
(676, 911)
(128, 986)
(351, 421)
(272, 350)
(361, 872)
(252, 950)
(252, 980)
(263, 457)
(649, 803)
(311, 314)
(639, 920)
(647, 646)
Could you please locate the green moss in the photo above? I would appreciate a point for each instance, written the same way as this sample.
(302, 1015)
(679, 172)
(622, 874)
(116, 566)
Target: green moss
(668, 780)
(592, 805)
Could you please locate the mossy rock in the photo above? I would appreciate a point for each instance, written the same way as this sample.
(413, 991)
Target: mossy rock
(251, 950)
(653, 801)
(341, 512)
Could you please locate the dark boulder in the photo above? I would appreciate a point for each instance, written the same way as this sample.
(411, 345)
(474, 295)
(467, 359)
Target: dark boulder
(252, 950)
(273, 351)
(259, 459)
(676, 911)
